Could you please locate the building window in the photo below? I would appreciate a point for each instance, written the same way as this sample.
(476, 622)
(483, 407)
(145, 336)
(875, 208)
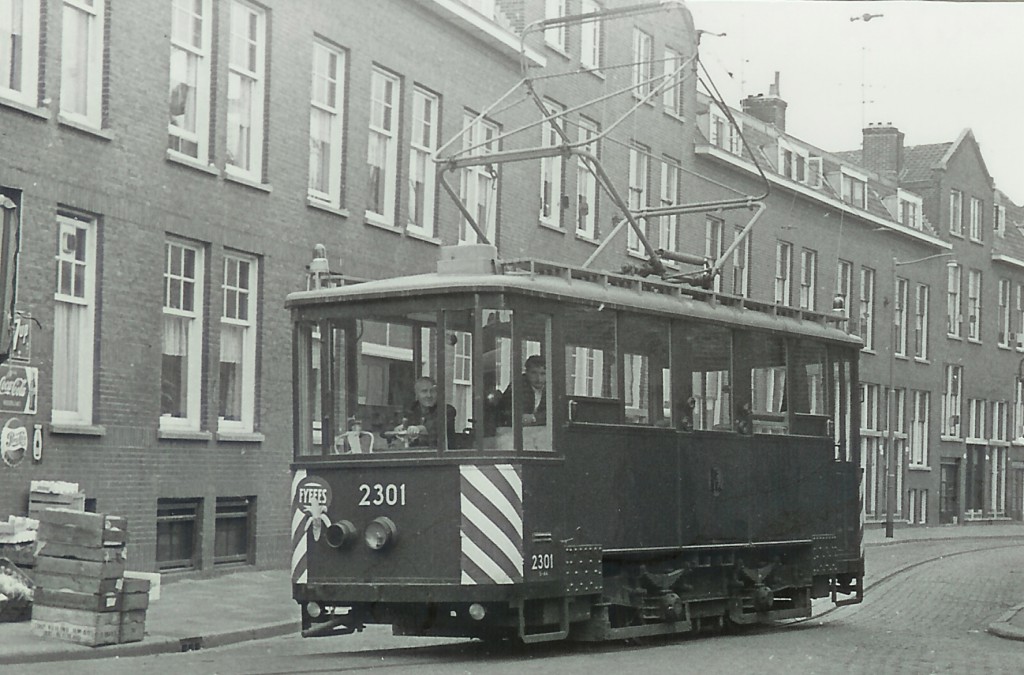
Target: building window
(178, 523)
(844, 282)
(551, 170)
(478, 185)
(721, 133)
(19, 50)
(899, 316)
(976, 420)
(382, 153)
(246, 77)
(586, 183)
(792, 163)
(783, 265)
(997, 481)
(921, 294)
(326, 124)
(667, 225)
(555, 36)
(1018, 411)
(999, 219)
(714, 245)
(741, 261)
(854, 190)
(74, 321)
(808, 279)
(425, 108)
(956, 213)
(954, 316)
(181, 370)
(1000, 421)
(919, 422)
(238, 344)
(976, 231)
(188, 128)
(643, 56)
(909, 209)
(81, 66)
(234, 530)
(867, 307)
(951, 401)
(974, 305)
(639, 164)
(672, 96)
(590, 37)
(1005, 332)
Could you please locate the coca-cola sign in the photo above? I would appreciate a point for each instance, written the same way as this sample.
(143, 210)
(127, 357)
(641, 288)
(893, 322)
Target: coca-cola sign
(19, 389)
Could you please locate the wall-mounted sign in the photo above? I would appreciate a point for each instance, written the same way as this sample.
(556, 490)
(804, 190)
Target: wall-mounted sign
(19, 389)
(21, 338)
(13, 442)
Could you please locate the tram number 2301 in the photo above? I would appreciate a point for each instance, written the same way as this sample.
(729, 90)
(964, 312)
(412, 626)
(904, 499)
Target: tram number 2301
(542, 561)
(379, 495)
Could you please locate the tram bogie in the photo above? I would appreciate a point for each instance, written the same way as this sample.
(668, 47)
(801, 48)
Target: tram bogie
(538, 456)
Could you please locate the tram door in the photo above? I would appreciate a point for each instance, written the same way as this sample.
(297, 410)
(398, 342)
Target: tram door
(949, 486)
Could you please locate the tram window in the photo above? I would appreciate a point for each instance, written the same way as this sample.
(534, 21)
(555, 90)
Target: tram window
(646, 380)
(308, 438)
(702, 355)
(590, 367)
(525, 404)
(761, 366)
(842, 404)
(808, 366)
(458, 384)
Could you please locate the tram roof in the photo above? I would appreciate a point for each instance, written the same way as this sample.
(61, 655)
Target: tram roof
(553, 281)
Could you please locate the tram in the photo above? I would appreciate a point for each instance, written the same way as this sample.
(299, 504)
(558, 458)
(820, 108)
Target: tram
(514, 449)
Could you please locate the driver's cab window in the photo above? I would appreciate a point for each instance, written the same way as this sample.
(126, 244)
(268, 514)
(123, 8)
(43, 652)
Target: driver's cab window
(517, 408)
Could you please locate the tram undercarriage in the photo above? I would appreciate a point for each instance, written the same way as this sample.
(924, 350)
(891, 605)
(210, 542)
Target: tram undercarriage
(639, 596)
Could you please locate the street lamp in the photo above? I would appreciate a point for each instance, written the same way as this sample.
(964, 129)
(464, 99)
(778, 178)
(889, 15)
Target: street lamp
(890, 459)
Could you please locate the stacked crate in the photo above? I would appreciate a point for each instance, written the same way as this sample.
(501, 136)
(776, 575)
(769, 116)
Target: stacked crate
(81, 593)
(51, 494)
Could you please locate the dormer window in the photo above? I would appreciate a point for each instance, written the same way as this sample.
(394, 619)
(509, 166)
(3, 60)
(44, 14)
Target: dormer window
(793, 162)
(908, 209)
(854, 188)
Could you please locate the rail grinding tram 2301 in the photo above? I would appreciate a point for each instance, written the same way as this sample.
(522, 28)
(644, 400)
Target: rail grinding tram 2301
(678, 460)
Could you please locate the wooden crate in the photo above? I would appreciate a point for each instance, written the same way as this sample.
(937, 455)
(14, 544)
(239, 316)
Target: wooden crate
(77, 583)
(52, 549)
(92, 569)
(40, 501)
(133, 626)
(93, 602)
(77, 625)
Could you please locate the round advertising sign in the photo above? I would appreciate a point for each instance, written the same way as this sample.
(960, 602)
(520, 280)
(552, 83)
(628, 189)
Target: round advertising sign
(13, 442)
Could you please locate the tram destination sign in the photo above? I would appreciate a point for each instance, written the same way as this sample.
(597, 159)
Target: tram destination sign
(19, 389)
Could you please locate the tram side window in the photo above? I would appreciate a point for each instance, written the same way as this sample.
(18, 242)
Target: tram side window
(519, 401)
(842, 406)
(761, 362)
(590, 367)
(646, 379)
(808, 363)
(702, 361)
(308, 395)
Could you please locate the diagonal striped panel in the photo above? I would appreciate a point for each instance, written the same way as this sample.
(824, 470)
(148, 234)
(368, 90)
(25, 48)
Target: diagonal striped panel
(298, 531)
(491, 530)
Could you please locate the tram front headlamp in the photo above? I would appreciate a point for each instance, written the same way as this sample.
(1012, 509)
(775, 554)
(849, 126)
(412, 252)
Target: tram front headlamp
(380, 533)
(340, 534)
(314, 610)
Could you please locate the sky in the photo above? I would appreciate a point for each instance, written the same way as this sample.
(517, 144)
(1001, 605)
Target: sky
(929, 68)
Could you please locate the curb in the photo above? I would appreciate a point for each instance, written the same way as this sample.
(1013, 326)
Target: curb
(158, 645)
(1004, 628)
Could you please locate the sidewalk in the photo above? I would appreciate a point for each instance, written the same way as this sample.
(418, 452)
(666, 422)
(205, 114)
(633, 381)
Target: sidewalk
(190, 614)
(250, 605)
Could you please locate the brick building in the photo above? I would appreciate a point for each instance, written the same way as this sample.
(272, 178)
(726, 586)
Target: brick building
(916, 240)
(170, 165)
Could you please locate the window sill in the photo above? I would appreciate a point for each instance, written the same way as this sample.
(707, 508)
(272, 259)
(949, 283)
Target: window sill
(323, 206)
(996, 443)
(922, 468)
(382, 224)
(551, 226)
(974, 341)
(923, 362)
(240, 437)
(958, 338)
(104, 134)
(424, 237)
(557, 49)
(41, 113)
(191, 162)
(1007, 347)
(70, 429)
(901, 357)
(869, 351)
(589, 240)
(595, 71)
(955, 439)
(247, 182)
(977, 241)
(679, 118)
(183, 435)
(958, 235)
(635, 254)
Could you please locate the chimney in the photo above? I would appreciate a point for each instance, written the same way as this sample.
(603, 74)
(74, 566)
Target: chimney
(770, 108)
(883, 150)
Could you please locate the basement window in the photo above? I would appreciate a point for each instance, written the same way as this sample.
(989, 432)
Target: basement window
(233, 534)
(177, 532)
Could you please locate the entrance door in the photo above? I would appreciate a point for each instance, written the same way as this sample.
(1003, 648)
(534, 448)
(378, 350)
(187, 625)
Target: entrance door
(949, 484)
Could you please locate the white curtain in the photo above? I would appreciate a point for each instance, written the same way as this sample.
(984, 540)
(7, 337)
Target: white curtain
(67, 329)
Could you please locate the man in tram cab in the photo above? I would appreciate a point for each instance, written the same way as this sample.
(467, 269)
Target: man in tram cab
(420, 423)
(533, 408)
